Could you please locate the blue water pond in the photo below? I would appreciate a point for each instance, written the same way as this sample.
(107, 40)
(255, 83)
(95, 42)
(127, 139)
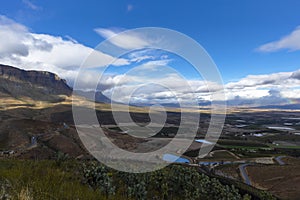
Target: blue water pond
(172, 158)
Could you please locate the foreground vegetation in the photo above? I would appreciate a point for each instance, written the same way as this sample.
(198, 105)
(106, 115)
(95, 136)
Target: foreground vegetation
(42, 180)
(73, 180)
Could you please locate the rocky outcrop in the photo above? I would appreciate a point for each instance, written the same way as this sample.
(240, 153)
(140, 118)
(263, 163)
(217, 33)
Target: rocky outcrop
(37, 85)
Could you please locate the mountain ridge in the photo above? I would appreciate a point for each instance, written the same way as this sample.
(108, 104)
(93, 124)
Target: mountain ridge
(39, 86)
(34, 85)
(42, 78)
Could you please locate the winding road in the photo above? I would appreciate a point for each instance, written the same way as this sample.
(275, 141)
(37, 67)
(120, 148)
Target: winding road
(244, 173)
(279, 160)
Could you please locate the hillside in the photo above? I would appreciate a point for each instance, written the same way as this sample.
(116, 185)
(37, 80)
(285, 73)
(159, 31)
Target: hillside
(32, 85)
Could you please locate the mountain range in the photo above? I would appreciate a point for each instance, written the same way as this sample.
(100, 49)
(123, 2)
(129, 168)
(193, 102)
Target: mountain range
(45, 86)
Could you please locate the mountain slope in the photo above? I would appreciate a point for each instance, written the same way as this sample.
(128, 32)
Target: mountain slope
(94, 96)
(34, 85)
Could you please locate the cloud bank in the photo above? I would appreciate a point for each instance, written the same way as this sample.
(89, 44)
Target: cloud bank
(63, 55)
(22, 48)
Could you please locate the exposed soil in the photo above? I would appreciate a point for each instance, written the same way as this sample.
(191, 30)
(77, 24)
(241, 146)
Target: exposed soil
(283, 181)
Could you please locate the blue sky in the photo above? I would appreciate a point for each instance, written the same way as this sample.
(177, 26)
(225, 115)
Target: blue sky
(233, 32)
(228, 30)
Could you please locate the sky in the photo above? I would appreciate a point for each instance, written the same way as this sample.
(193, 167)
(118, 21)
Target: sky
(255, 45)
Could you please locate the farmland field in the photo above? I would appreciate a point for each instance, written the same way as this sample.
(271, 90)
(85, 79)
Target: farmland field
(283, 181)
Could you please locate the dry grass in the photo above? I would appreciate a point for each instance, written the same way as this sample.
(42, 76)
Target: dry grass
(9, 103)
(25, 194)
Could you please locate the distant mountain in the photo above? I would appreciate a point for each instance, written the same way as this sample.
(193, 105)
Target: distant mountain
(171, 105)
(35, 85)
(286, 107)
(21, 85)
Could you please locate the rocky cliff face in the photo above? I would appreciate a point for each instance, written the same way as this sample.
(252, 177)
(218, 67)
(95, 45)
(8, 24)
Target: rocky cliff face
(37, 85)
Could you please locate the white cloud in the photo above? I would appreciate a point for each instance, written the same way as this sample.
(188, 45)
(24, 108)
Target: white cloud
(71, 39)
(276, 88)
(253, 90)
(290, 42)
(260, 80)
(22, 48)
(147, 54)
(129, 7)
(66, 53)
(141, 55)
(124, 40)
(153, 65)
(155, 83)
(11, 37)
(31, 5)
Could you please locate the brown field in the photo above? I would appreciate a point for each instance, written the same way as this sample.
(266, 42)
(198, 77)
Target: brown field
(229, 171)
(21, 120)
(282, 181)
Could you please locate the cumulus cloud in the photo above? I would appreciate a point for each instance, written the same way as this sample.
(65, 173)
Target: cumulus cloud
(260, 80)
(66, 53)
(270, 97)
(267, 89)
(156, 83)
(296, 75)
(22, 48)
(290, 42)
(12, 36)
(253, 90)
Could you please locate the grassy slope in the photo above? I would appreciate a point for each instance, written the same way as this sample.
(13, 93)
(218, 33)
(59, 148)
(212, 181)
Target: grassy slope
(43, 180)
